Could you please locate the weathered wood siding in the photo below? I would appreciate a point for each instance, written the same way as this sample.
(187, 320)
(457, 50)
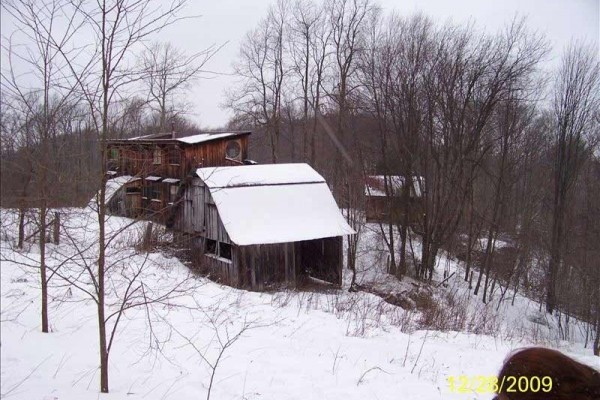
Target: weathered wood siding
(190, 218)
(267, 264)
(225, 271)
(199, 214)
(212, 154)
(137, 159)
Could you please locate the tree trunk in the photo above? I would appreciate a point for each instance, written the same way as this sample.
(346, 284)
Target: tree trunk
(44, 280)
(56, 228)
(597, 340)
(101, 291)
(424, 251)
(405, 223)
(488, 264)
(402, 265)
(555, 257)
(434, 248)
(470, 241)
(21, 228)
(313, 146)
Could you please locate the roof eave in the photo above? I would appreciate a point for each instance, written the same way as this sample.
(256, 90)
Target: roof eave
(176, 140)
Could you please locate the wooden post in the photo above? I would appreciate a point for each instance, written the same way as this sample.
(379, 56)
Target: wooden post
(148, 235)
(340, 264)
(471, 280)
(287, 264)
(56, 227)
(294, 270)
(252, 251)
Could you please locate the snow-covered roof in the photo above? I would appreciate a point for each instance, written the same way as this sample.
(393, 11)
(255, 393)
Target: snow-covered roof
(205, 137)
(264, 174)
(262, 204)
(112, 186)
(375, 185)
(192, 139)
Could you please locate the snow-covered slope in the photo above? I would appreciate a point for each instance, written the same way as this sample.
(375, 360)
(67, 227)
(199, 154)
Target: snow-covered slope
(297, 345)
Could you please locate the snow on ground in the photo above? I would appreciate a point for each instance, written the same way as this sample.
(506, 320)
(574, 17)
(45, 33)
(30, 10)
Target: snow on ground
(297, 345)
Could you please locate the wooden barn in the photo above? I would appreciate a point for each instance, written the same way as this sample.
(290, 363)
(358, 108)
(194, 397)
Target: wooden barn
(258, 225)
(160, 164)
(384, 201)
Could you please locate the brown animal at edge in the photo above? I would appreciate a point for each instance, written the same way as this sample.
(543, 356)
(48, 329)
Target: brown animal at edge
(571, 380)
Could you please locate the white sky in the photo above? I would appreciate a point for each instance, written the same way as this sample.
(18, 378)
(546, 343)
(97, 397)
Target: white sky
(228, 20)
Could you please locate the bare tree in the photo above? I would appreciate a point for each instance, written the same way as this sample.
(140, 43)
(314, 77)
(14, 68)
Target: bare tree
(375, 74)
(117, 28)
(262, 68)
(167, 73)
(219, 322)
(347, 20)
(309, 43)
(470, 75)
(576, 104)
(41, 104)
(392, 68)
(588, 257)
(510, 125)
(305, 18)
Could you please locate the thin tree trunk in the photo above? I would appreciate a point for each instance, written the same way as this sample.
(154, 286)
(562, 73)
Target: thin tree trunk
(101, 270)
(402, 265)
(21, 228)
(102, 222)
(44, 280)
(405, 223)
(597, 340)
(56, 228)
(470, 241)
(487, 260)
(488, 266)
(555, 257)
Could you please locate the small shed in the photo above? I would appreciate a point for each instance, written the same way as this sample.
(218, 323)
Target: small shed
(257, 225)
(384, 202)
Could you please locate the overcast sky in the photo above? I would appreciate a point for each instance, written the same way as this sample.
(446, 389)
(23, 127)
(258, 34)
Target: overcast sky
(227, 21)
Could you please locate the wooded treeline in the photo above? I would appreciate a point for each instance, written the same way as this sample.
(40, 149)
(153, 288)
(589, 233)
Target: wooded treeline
(504, 148)
(505, 151)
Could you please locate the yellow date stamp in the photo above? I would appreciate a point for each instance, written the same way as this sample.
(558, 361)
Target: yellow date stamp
(485, 384)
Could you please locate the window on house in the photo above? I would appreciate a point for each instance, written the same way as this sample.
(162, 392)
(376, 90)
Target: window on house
(173, 193)
(211, 247)
(132, 190)
(157, 156)
(175, 156)
(113, 154)
(225, 250)
(233, 150)
(156, 190)
(147, 191)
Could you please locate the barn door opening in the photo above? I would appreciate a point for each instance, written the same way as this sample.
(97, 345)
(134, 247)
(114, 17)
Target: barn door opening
(321, 259)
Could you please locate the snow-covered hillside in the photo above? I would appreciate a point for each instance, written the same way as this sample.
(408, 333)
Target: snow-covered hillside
(293, 345)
